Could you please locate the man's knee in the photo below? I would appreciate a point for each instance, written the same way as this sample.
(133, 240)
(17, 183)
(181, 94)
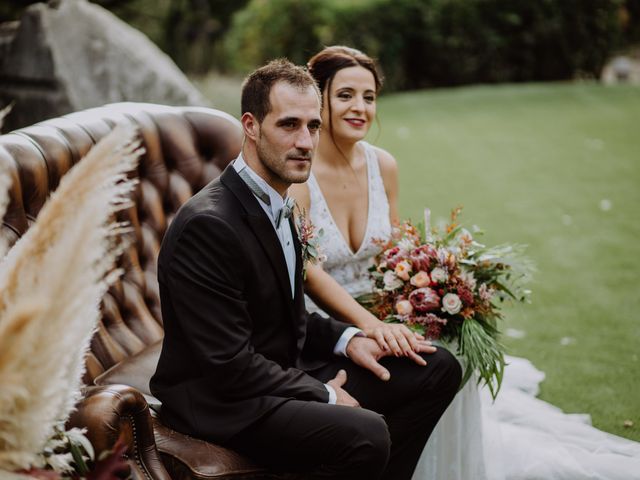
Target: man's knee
(446, 372)
(368, 442)
(452, 366)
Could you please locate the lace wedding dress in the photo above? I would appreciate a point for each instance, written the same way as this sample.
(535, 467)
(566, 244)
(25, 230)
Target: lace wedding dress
(519, 437)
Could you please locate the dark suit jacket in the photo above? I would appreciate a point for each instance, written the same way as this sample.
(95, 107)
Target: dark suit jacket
(236, 344)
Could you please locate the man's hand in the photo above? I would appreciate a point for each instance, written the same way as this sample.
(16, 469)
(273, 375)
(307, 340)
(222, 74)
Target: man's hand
(366, 352)
(342, 397)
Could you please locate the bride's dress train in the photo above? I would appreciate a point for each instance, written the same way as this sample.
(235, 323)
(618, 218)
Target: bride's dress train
(519, 437)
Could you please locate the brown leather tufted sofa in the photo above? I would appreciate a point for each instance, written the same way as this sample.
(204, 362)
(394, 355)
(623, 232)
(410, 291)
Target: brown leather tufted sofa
(185, 149)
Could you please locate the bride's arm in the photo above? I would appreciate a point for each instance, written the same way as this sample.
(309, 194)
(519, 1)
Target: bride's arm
(329, 295)
(333, 299)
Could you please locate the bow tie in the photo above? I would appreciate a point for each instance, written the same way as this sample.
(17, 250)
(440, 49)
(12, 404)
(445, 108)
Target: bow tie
(284, 212)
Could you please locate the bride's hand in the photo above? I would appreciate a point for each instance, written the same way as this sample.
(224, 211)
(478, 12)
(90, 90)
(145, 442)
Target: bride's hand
(395, 338)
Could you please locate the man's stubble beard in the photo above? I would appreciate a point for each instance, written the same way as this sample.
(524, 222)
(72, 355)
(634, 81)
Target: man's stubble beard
(276, 166)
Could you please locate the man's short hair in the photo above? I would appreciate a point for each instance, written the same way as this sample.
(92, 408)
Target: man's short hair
(256, 88)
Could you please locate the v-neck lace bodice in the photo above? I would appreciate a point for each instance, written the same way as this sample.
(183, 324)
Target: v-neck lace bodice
(350, 269)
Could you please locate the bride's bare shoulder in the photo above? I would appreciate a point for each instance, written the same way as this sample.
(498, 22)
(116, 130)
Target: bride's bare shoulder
(388, 165)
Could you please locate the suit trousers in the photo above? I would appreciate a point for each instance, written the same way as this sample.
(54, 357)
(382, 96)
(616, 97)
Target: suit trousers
(381, 440)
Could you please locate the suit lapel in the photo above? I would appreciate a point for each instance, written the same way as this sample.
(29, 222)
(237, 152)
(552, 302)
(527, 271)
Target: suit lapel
(299, 293)
(299, 324)
(262, 228)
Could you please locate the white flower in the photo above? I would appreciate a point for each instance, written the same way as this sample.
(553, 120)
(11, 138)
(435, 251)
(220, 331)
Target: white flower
(439, 275)
(468, 279)
(406, 245)
(451, 303)
(465, 236)
(485, 293)
(391, 281)
(61, 462)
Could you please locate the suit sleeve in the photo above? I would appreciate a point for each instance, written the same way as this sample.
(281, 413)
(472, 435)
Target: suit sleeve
(323, 334)
(206, 276)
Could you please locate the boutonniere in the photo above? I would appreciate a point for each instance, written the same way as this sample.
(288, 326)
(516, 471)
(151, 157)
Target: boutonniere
(309, 241)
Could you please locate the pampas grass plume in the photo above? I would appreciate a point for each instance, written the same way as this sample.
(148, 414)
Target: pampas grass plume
(51, 285)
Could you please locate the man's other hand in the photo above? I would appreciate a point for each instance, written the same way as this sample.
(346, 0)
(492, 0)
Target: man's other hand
(342, 397)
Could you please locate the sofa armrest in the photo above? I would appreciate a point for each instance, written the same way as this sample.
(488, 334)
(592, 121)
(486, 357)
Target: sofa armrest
(109, 412)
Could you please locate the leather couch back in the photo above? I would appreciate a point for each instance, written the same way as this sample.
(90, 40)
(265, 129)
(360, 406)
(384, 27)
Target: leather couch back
(185, 148)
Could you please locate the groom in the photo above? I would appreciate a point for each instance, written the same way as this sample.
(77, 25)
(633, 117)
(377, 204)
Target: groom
(242, 363)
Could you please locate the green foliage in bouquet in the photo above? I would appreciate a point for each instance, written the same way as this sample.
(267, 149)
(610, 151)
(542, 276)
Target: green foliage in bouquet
(447, 286)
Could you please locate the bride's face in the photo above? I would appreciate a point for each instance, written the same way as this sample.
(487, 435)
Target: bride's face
(353, 104)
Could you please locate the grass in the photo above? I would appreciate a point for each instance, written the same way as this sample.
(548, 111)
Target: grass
(556, 167)
(223, 91)
(553, 166)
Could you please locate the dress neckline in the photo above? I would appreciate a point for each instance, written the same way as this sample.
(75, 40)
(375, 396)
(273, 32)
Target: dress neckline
(368, 158)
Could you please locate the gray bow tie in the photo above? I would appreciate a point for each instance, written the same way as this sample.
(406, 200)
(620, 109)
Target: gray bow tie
(289, 203)
(285, 211)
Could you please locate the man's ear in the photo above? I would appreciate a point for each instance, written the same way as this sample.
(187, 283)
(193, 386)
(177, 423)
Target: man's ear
(250, 126)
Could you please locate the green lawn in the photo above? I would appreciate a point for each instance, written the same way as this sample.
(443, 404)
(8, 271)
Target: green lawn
(554, 166)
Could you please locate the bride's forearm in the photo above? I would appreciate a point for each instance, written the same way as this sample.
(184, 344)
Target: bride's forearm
(335, 300)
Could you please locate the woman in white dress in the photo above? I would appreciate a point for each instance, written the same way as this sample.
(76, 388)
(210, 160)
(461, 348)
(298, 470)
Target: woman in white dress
(352, 196)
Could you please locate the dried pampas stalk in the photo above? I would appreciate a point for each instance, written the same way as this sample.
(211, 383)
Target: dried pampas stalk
(51, 284)
(5, 183)
(3, 113)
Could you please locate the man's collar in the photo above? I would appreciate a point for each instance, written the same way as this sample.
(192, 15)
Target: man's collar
(276, 200)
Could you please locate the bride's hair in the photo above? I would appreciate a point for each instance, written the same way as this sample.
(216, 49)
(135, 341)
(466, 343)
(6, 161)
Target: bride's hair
(324, 65)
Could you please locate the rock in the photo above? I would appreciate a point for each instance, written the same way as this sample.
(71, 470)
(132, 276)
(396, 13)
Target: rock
(622, 69)
(79, 55)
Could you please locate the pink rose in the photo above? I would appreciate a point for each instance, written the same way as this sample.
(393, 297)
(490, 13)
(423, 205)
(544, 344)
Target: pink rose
(451, 303)
(424, 299)
(404, 307)
(402, 270)
(420, 279)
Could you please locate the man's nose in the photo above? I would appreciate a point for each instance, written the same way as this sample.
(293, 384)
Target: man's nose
(304, 140)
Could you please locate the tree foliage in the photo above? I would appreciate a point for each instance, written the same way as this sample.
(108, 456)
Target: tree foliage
(420, 43)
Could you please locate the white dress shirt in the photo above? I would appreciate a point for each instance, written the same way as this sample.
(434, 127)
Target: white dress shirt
(285, 235)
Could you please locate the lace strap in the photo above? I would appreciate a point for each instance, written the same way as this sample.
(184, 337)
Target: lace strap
(377, 192)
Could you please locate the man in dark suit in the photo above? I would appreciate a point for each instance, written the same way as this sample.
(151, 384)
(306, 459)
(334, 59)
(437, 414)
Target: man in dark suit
(242, 363)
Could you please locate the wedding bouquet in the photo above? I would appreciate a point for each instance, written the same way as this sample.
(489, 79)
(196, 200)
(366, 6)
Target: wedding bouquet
(444, 284)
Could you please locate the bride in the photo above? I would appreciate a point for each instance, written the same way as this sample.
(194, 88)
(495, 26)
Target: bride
(352, 196)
